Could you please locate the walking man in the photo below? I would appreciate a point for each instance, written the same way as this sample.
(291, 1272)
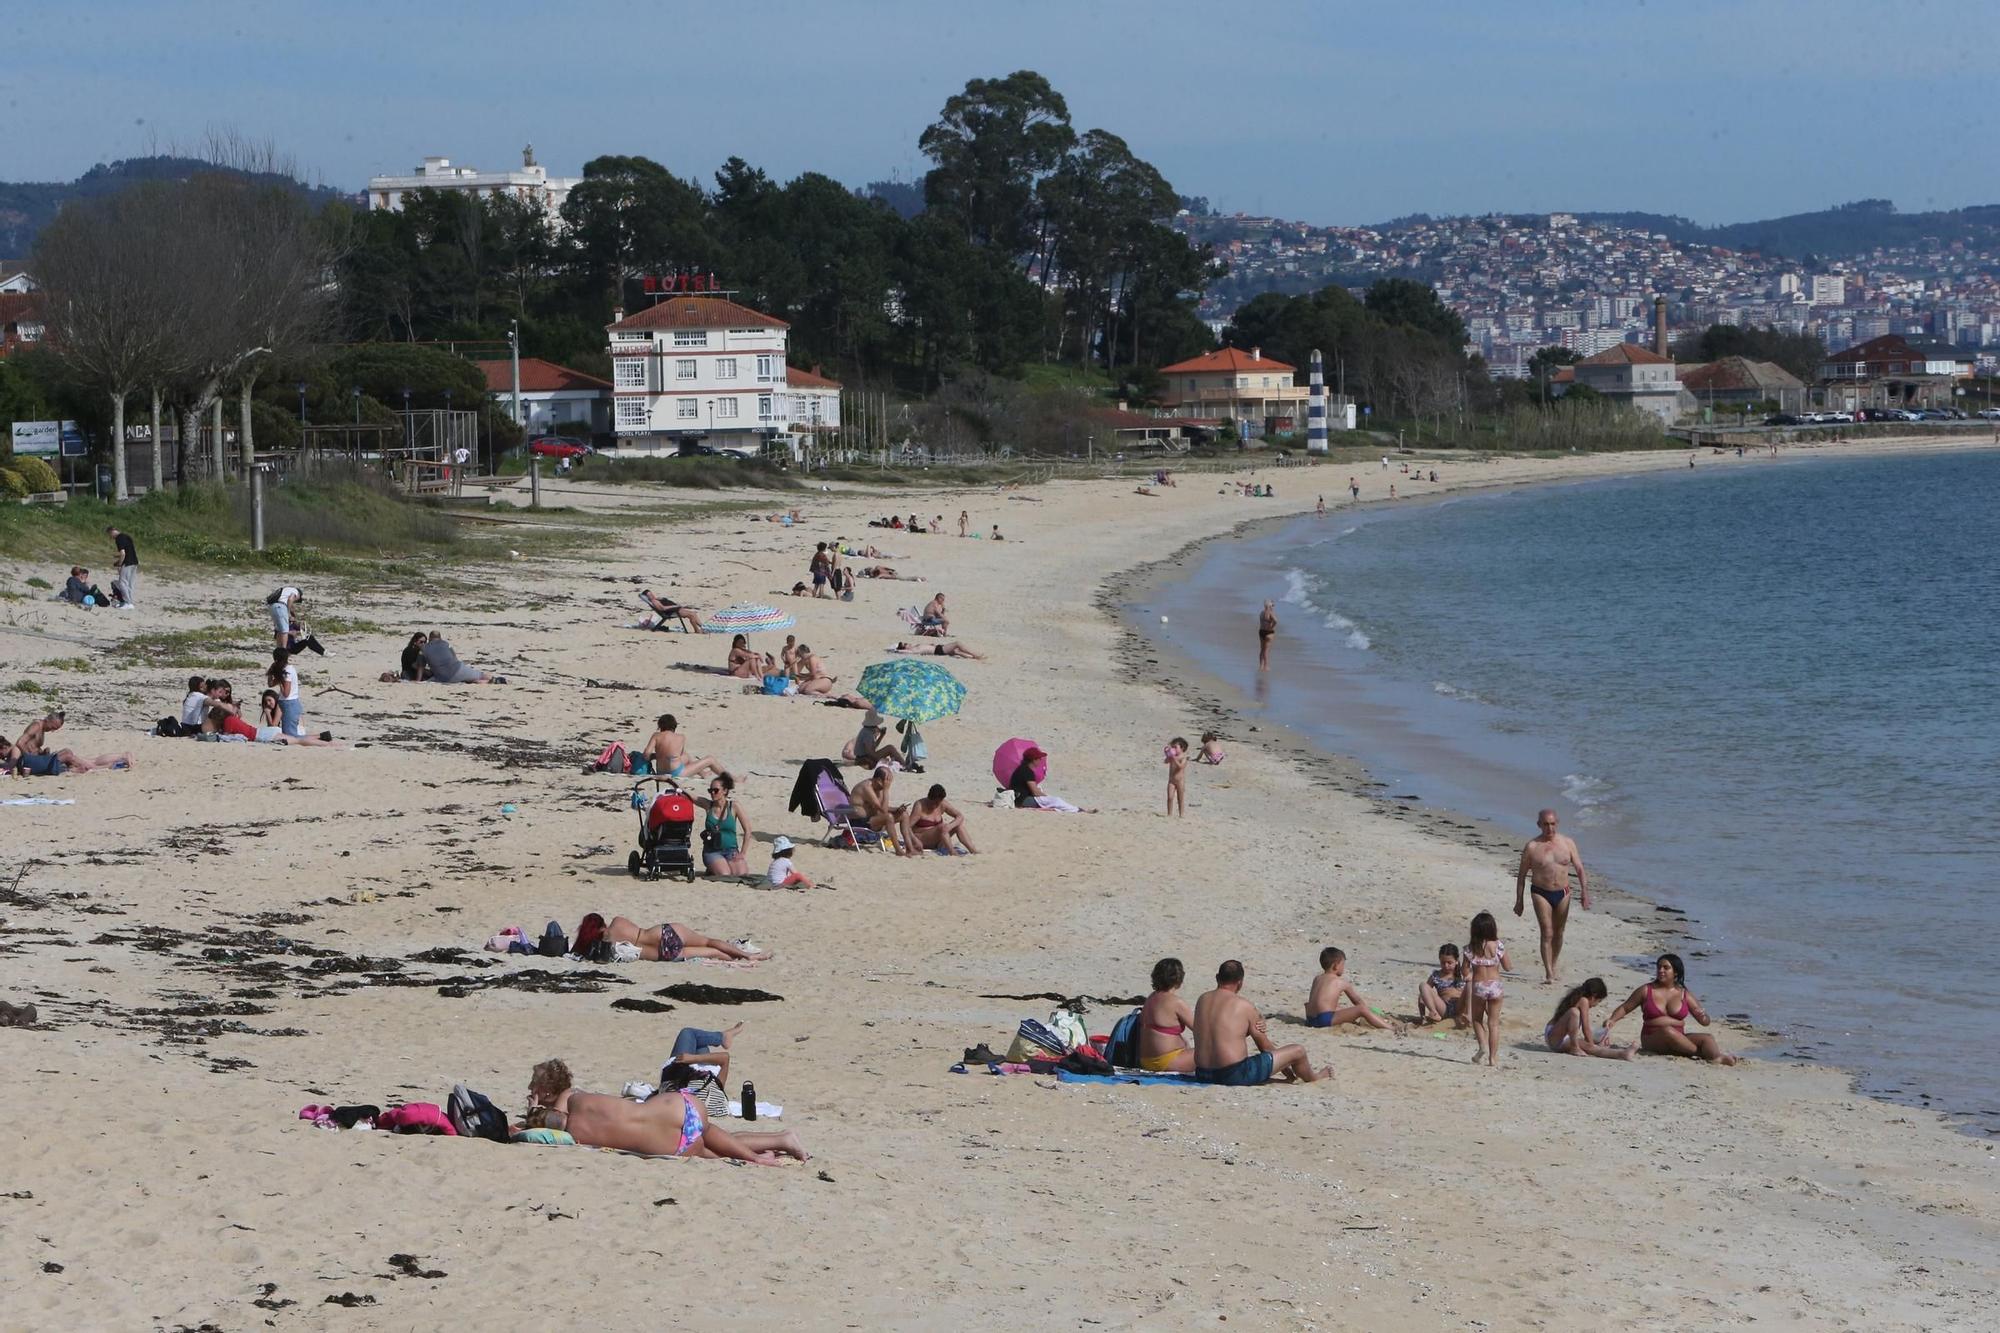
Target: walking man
(1545, 865)
(1267, 629)
(125, 568)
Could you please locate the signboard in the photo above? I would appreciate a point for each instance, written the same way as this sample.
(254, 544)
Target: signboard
(38, 438)
(73, 443)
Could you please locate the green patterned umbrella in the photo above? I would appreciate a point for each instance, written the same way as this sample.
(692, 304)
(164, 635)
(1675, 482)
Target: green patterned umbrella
(911, 687)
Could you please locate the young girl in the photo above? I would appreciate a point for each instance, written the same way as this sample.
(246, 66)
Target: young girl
(1485, 958)
(1569, 1031)
(1211, 748)
(1177, 762)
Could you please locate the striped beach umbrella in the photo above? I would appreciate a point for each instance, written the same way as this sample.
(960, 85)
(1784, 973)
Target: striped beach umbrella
(747, 618)
(911, 687)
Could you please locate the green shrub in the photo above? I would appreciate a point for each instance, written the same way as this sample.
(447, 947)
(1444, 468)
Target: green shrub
(40, 477)
(11, 484)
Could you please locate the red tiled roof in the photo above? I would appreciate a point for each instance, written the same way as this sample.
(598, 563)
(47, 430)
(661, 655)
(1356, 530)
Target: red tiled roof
(1123, 419)
(1225, 359)
(1627, 354)
(699, 312)
(20, 305)
(537, 376)
(1734, 373)
(808, 379)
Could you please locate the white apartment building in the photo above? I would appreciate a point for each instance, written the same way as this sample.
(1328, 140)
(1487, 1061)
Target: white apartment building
(530, 183)
(1829, 289)
(706, 369)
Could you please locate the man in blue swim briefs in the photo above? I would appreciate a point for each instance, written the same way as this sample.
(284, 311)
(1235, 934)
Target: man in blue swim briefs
(1545, 865)
(1225, 1025)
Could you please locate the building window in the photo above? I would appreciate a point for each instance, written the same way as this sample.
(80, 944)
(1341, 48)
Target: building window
(725, 368)
(814, 401)
(767, 367)
(629, 337)
(686, 409)
(631, 413)
(1191, 386)
(1242, 381)
(690, 337)
(683, 370)
(763, 407)
(725, 408)
(629, 372)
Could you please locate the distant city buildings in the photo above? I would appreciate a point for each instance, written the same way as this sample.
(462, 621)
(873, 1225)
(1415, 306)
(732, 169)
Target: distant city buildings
(529, 183)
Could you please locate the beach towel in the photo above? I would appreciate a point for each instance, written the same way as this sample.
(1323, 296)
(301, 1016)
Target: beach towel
(1171, 1080)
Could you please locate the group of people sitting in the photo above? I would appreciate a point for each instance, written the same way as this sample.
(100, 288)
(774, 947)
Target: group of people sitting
(78, 590)
(427, 656)
(29, 754)
(210, 711)
(931, 823)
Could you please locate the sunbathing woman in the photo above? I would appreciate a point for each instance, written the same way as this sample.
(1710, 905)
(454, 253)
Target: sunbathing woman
(747, 664)
(668, 1125)
(1666, 1002)
(931, 823)
(886, 572)
(667, 608)
(1569, 1031)
(1164, 1022)
(666, 751)
(956, 648)
(673, 942)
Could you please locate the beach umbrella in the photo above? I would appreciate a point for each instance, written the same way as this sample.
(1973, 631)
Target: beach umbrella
(1008, 758)
(916, 688)
(747, 618)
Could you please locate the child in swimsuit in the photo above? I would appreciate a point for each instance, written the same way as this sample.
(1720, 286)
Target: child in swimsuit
(1485, 959)
(1211, 748)
(1442, 994)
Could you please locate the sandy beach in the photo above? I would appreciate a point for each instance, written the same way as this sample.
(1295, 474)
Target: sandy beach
(228, 933)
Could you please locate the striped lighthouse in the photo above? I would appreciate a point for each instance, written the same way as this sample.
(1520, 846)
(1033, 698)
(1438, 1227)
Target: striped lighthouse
(1316, 408)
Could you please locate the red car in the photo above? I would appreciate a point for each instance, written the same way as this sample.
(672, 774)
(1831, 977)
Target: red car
(557, 446)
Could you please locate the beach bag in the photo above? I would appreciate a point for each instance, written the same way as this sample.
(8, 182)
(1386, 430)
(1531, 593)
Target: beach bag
(612, 759)
(1067, 1024)
(1123, 1048)
(415, 1118)
(554, 943)
(272, 600)
(776, 685)
(472, 1116)
(1035, 1033)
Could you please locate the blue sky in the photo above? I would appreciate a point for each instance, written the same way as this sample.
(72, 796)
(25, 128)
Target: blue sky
(1331, 113)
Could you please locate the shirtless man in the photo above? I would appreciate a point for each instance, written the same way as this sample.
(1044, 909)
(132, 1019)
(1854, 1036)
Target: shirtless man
(31, 756)
(1267, 629)
(934, 619)
(870, 802)
(1547, 860)
(668, 1125)
(1225, 1024)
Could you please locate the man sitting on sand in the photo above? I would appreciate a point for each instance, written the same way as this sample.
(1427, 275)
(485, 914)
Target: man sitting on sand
(669, 1125)
(667, 608)
(1324, 1007)
(31, 757)
(933, 619)
(1224, 1026)
(446, 669)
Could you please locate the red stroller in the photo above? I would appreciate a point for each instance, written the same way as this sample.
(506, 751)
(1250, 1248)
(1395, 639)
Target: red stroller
(666, 830)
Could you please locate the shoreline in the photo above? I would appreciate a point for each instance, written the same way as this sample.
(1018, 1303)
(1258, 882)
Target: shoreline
(224, 933)
(1662, 925)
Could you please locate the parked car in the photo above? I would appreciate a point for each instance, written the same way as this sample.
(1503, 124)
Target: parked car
(1783, 419)
(1989, 414)
(558, 446)
(696, 449)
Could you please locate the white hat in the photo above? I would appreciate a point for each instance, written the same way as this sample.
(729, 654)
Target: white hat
(780, 845)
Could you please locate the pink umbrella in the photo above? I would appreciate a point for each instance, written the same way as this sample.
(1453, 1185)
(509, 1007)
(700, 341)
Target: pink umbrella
(1008, 758)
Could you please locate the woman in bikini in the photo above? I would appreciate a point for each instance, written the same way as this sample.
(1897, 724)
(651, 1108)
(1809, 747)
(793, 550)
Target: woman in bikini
(1568, 1033)
(932, 823)
(1666, 1003)
(725, 832)
(1485, 958)
(1164, 1022)
(666, 751)
(811, 673)
(747, 664)
(673, 942)
(953, 649)
(670, 1124)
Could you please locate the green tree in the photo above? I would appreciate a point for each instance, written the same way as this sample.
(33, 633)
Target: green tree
(1416, 304)
(990, 146)
(629, 216)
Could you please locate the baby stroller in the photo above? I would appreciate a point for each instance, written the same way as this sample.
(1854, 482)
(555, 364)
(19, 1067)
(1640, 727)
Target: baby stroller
(666, 830)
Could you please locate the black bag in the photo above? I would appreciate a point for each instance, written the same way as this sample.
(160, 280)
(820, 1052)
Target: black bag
(1084, 1060)
(474, 1117)
(601, 952)
(554, 943)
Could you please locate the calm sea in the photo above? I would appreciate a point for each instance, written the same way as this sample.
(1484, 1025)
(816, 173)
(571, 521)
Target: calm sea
(1763, 694)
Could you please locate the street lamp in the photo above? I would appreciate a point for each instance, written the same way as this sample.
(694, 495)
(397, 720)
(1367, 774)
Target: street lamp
(406, 416)
(302, 402)
(356, 391)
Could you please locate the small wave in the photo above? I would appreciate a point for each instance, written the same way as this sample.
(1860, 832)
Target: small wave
(1451, 691)
(1348, 532)
(1585, 791)
(1298, 589)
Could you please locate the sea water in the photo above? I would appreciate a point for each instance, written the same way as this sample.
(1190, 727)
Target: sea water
(1763, 694)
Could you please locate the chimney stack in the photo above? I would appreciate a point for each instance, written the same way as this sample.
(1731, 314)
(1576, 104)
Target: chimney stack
(1256, 354)
(1660, 325)
(618, 314)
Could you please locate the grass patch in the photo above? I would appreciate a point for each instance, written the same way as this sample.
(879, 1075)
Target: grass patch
(702, 474)
(32, 687)
(343, 625)
(212, 647)
(67, 664)
(39, 582)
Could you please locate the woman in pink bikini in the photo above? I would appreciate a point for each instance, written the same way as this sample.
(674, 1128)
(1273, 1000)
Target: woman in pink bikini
(1164, 1022)
(672, 942)
(1666, 1003)
(670, 1124)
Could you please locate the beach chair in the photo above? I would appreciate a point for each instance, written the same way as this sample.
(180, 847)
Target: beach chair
(837, 809)
(671, 619)
(910, 616)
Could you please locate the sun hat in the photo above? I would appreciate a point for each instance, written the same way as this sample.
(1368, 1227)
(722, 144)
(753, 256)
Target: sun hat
(780, 845)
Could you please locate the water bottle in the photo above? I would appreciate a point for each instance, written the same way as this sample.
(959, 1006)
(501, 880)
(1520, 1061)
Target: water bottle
(749, 1094)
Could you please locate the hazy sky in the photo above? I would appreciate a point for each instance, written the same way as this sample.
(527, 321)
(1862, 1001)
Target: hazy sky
(1331, 112)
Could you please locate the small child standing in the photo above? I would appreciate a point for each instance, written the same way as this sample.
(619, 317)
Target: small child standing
(1177, 762)
(1323, 1002)
(783, 875)
(1485, 960)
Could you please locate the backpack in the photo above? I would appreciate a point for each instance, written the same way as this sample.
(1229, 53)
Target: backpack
(272, 600)
(554, 943)
(611, 759)
(1123, 1048)
(474, 1117)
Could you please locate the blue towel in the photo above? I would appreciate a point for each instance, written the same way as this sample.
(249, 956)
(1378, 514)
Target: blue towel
(1172, 1080)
